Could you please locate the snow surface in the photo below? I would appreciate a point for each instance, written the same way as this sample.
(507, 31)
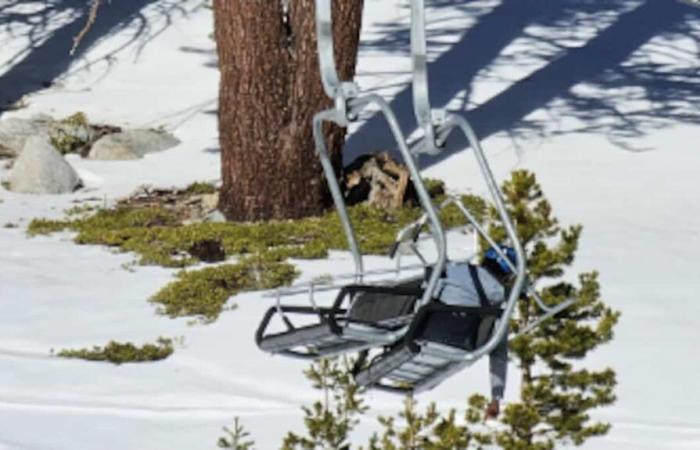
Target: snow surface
(600, 99)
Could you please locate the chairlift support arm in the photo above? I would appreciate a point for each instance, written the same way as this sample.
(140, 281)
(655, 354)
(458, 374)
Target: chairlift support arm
(347, 105)
(437, 127)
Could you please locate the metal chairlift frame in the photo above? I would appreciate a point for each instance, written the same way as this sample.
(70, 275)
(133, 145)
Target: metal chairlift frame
(437, 126)
(349, 103)
(414, 353)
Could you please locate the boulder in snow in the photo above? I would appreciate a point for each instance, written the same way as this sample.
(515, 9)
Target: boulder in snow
(14, 133)
(215, 216)
(40, 169)
(131, 144)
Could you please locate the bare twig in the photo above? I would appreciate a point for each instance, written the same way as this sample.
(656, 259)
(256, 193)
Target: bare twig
(92, 16)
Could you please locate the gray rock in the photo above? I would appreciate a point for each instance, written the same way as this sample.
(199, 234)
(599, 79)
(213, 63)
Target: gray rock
(40, 169)
(215, 216)
(14, 133)
(131, 144)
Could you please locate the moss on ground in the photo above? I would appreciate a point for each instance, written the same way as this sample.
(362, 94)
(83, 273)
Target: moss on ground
(160, 238)
(120, 353)
(201, 188)
(157, 236)
(203, 293)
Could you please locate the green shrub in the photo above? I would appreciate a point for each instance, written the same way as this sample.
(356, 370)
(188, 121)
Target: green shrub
(201, 188)
(46, 226)
(158, 236)
(203, 293)
(120, 353)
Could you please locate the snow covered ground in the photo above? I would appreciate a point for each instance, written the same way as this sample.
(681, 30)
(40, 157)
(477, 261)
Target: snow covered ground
(600, 99)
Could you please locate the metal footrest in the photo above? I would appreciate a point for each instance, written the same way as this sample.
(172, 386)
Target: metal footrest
(411, 370)
(428, 354)
(320, 337)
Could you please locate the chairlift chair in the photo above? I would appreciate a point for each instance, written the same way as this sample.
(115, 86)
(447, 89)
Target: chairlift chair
(408, 362)
(419, 361)
(341, 328)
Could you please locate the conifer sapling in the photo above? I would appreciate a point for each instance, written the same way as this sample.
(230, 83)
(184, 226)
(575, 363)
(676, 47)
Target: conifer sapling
(556, 394)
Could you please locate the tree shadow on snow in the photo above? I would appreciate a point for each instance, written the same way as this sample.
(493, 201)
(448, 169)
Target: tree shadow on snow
(45, 56)
(614, 67)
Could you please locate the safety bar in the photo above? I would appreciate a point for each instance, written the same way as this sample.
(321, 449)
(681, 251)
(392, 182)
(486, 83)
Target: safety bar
(416, 226)
(323, 285)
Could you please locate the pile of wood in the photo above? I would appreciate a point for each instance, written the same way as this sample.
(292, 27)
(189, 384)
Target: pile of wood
(378, 180)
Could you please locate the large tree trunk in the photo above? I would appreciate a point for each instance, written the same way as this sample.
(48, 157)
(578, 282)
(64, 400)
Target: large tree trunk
(270, 89)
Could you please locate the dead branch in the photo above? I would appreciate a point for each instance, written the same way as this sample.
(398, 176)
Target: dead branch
(92, 16)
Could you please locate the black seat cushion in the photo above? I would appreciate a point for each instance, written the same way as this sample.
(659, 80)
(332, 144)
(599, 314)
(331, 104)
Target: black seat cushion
(456, 329)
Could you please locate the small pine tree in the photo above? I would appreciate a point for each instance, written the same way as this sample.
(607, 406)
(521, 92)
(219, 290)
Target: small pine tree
(432, 430)
(556, 395)
(236, 438)
(329, 421)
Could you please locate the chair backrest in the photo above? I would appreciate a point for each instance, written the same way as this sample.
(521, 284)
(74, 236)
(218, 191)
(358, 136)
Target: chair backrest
(373, 307)
(456, 329)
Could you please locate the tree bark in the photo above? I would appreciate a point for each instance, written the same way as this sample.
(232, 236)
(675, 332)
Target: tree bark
(270, 89)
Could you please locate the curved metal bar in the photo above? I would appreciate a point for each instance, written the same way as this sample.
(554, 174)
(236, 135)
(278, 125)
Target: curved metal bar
(437, 229)
(330, 115)
(458, 122)
(303, 288)
(347, 105)
(452, 200)
(548, 315)
(326, 57)
(421, 91)
(494, 245)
